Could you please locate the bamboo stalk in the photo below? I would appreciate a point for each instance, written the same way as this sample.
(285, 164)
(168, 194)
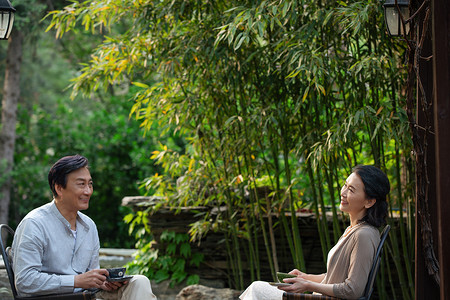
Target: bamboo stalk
(394, 252)
(336, 228)
(316, 211)
(298, 258)
(404, 242)
(391, 282)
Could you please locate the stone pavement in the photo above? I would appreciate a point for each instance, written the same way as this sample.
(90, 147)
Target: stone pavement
(5, 290)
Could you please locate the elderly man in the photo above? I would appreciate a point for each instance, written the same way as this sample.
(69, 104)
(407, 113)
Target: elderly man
(56, 247)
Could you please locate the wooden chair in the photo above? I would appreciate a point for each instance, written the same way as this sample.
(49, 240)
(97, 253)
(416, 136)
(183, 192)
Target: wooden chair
(370, 280)
(5, 232)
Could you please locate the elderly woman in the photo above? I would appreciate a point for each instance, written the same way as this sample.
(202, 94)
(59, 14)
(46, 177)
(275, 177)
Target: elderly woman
(363, 198)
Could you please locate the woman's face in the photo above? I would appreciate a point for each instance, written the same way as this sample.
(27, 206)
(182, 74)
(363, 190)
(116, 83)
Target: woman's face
(354, 199)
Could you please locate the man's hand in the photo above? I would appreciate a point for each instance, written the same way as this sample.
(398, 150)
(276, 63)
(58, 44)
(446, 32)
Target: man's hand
(112, 285)
(91, 279)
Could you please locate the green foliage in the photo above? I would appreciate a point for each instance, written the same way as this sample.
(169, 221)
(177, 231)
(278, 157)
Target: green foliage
(168, 259)
(277, 101)
(102, 132)
(26, 19)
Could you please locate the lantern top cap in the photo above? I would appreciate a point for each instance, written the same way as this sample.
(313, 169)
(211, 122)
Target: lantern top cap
(5, 5)
(390, 3)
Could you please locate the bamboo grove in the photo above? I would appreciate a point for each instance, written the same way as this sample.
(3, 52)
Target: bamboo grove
(277, 96)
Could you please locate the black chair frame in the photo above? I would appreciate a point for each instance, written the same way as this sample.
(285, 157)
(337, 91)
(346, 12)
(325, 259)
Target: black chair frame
(86, 295)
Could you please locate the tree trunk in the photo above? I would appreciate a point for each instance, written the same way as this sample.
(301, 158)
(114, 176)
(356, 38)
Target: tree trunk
(11, 93)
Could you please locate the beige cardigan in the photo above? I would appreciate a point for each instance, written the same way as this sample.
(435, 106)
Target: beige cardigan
(349, 262)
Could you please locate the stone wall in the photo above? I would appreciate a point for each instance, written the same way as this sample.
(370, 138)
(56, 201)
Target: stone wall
(215, 270)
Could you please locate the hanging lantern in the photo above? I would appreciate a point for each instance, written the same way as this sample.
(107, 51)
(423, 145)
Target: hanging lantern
(6, 19)
(392, 16)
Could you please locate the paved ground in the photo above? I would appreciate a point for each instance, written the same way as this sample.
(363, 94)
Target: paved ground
(5, 290)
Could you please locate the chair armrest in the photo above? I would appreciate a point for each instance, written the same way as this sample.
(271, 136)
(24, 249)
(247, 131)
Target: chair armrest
(74, 296)
(300, 296)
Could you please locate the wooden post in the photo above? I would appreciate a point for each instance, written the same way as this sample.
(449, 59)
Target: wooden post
(426, 206)
(441, 82)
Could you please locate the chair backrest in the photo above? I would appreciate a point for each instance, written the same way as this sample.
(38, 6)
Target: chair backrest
(376, 264)
(5, 233)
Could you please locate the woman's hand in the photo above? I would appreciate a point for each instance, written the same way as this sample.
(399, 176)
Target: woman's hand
(299, 284)
(306, 282)
(310, 277)
(298, 273)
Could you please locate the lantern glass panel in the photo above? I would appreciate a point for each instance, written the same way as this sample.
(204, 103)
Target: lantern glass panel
(394, 22)
(11, 22)
(5, 24)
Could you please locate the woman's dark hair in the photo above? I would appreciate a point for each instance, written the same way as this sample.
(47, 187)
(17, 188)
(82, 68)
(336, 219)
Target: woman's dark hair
(376, 186)
(59, 171)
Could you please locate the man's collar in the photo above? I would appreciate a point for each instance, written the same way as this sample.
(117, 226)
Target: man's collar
(54, 209)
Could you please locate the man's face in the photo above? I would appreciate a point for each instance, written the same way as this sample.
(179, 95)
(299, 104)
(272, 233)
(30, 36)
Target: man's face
(75, 196)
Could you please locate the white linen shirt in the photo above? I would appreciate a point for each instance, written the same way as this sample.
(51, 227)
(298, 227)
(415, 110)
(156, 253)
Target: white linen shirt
(46, 256)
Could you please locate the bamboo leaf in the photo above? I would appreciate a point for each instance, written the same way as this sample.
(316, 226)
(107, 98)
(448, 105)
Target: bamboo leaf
(142, 85)
(305, 94)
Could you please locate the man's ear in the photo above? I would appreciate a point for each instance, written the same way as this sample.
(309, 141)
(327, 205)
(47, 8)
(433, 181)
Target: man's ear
(370, 202)
(58, 189)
